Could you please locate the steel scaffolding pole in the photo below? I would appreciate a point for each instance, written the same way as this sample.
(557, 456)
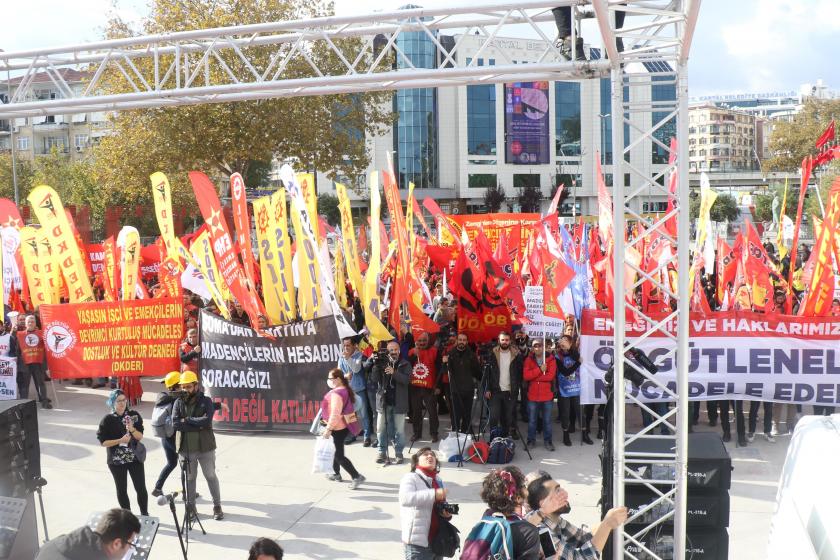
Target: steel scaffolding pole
(656, 38)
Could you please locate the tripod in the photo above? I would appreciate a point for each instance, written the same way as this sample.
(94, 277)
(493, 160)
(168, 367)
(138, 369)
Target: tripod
(513, 423)
(190, 515)
(456, 418)
(171, 499)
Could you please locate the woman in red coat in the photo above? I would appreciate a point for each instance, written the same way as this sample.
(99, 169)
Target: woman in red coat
(540, 372)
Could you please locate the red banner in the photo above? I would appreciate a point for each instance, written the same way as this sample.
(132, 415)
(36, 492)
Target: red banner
(516, 227)
(123, 338)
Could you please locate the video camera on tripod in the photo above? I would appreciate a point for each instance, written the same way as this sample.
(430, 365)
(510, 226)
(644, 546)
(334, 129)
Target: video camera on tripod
(632, 374)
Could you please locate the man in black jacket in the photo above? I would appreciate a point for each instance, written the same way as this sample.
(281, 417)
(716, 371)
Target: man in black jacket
(113, 538)
(504, 382)
(391, 378)
(464, 372)
(192, 417)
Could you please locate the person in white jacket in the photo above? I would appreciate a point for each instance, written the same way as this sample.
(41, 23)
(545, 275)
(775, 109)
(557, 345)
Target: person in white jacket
(420, 490)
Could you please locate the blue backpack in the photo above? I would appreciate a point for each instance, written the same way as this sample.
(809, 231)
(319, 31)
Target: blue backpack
(490, 539)
(501, 451)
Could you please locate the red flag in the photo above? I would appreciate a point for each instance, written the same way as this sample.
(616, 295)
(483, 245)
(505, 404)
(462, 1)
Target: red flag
(757, 269)
(727, 263)
(805, 176)
(671, 222)
(10, 215)
(242, 225)
(109, 269)
(698, 302)
(827, 135)
(418, 212)
(228, 263)
(605, 206)
(400, 289)
(442, 222)
(556, 274)
(552, 209)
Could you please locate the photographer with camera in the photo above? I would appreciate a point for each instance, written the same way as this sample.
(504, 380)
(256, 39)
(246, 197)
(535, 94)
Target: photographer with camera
(422, 504)
(192, 417)
(391, 374)
(558, 538)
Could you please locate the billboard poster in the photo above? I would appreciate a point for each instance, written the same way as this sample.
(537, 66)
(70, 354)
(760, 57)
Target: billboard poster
(526, 123)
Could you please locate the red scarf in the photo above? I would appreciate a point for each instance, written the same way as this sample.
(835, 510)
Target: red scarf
(432, 474)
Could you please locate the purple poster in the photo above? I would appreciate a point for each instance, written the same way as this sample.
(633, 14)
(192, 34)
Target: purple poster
(526, 123)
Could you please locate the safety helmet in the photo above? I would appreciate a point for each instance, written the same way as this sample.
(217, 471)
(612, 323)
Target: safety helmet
(172, 378)
(188, 377)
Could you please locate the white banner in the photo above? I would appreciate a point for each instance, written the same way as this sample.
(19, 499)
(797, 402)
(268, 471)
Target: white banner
(193, 280)
(733, 355)
(540, 325)
(8, 379)
(11, 275)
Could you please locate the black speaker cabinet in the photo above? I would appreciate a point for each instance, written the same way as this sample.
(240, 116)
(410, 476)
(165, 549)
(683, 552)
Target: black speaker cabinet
(700, 544)
(703, 510)
(20, 452)
(709, 464)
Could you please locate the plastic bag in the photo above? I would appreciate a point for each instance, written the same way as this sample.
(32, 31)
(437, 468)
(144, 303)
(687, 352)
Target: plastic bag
(322, 459)
(453, 444)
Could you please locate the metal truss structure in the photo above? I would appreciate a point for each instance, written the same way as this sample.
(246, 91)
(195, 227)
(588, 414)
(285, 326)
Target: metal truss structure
(279, 59)
(318, 56)
(656, 36)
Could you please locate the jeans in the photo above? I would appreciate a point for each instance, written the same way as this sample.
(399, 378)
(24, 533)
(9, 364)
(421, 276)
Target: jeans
(207, 460)
(768, 416)
(414, 552)
(502, 414)
(138, 479)
(395, 425)
(361, 407)
(340, 459)
(171, 461)
(533, 409)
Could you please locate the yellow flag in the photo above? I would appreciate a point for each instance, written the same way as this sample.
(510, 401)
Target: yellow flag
(307, 189)
(129, 244)
(48, 268)
(707, 199)
(340, 279)
(161, 194)
(31, 265)
(779, 242)
(50, 212)
(272, 283)
(283, 246)
(309, 292)
(348, 237)
(205, 262)
(378, 331)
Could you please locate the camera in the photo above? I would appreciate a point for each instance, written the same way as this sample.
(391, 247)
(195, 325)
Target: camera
(180, 394)
(446, 507)
(632, 374)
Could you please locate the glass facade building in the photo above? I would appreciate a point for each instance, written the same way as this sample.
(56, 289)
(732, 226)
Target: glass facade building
(663, 92)
(481, 120)
(567, 118)
(415, 135)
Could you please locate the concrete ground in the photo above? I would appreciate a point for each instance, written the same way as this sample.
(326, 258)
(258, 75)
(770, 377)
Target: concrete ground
(268, 489)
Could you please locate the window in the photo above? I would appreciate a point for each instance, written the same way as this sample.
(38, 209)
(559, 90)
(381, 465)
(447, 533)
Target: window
(522, 180)
(481, 180)
(567, 180)
(650, 207)
(481, 120)
(605, 126)
(80, 140)
(608, 179)
(567, 118)
(23, 142)
(491, 62)
(57, 142)
(570, 208)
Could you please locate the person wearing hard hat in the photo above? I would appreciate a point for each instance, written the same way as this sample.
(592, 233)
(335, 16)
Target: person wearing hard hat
(192, 417)
(164, 428)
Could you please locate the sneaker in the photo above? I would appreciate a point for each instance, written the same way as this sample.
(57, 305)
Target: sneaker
(46, 404)
(751, 437)
(366, 443)
(774, 431)
(770, 438)
(157, 492)
(381, 458)
(399, 459)
(548, 446)
(356, 482)
(334, 477)
(218, 514)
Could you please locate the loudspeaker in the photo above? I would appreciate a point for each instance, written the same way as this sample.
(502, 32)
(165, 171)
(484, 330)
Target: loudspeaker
(703, 510)
(709, 464)
(20, 451)
(700, 544)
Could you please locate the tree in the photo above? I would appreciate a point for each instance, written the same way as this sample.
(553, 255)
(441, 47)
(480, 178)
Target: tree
(725, 208)
(328, 207)
(764, 202)
(24, 177)
(791, 141)
(530, 199)
(494, 197)
(326, 132)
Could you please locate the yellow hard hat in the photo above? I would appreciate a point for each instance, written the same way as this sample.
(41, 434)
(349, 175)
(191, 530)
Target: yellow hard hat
(188, 377)
(172, 378)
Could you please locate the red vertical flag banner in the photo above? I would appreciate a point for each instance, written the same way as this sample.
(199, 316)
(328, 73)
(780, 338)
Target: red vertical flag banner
(242, 225)
(229, 268)
(827, 135)
(671, 222)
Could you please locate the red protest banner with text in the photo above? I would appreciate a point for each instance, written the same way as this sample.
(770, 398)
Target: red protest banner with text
(514, 226)
(120, 338)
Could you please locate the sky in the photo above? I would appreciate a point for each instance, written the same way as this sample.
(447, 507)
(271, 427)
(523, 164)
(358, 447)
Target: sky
(740, 46)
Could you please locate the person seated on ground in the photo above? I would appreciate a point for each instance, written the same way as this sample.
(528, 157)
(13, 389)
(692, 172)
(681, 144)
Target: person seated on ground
(548, 501)
(265, 549)
(113, 538)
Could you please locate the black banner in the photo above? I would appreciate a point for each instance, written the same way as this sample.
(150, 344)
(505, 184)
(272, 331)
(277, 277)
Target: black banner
(267, 384)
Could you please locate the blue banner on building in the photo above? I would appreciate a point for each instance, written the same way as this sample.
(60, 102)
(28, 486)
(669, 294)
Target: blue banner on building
(526, 123)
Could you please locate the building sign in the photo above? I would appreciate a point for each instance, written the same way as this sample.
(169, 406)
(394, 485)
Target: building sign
(527, 123)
